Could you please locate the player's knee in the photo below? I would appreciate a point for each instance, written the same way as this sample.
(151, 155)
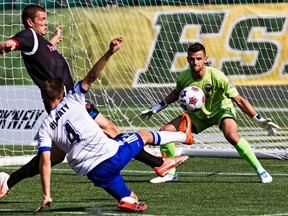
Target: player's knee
(145, 135)
(168, 127)
(232, 137)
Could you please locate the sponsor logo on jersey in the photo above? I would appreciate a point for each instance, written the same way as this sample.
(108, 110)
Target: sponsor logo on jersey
(207, 88)
(231, 84)
(52, 48)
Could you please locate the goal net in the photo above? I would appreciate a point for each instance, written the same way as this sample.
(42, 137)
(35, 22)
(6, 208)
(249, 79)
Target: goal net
(246, 39)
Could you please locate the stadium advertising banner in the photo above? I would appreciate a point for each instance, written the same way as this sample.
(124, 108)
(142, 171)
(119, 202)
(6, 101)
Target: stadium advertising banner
(246, 42)
(21, 113)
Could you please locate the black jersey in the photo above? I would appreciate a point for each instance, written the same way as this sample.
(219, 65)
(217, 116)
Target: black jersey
(41, 58)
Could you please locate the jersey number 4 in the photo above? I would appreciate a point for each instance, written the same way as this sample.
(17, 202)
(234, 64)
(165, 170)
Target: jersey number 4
(72, 135)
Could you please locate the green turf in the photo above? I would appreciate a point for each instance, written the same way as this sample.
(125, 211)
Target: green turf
(206, 186)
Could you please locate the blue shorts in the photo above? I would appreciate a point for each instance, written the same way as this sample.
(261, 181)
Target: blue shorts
(107, 174)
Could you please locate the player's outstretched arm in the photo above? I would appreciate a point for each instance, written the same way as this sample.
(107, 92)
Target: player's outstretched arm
(247, 108)
(7, 46)
(45, 174)
(172, 97)
(96, 70)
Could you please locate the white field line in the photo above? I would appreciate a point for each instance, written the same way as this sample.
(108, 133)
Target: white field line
(262, 109)
(106, 213)
(203, 173)
(152, 172)
(75, 213)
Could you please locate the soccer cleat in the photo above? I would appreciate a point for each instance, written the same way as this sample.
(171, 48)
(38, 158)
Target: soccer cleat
(186, 127)
(265, 177)
(166, 178)
(131, 207)
(3, 184)
(168, 164)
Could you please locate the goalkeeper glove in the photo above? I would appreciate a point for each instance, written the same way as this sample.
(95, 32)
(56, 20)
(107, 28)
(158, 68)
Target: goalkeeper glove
(149, 112)
(266, 124)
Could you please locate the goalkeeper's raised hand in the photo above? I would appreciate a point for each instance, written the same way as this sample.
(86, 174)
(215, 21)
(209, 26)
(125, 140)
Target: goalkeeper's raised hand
(266, 124)
(149, 112)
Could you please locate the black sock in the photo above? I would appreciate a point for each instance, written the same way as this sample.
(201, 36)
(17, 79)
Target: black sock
(149, 159)
(27, 171)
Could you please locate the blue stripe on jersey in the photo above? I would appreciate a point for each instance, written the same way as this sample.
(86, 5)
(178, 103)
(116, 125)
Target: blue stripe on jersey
(83, 91)
(156, 138)
(45, 148)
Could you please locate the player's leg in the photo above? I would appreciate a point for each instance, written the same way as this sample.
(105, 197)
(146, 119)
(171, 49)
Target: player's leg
(184, 135)
(229, 128)
(116, 187)
(31, 169)
(161, 138)
(160, 165)
(113, 131)
(168, 151)
(26, 171)
(107, 175)
(149, 159)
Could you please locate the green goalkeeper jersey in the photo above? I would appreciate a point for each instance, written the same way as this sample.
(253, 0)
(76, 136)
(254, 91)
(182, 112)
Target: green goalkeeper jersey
(217, 88)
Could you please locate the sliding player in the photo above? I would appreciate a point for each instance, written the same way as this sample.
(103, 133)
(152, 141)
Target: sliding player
(89, 151)
(43, 61)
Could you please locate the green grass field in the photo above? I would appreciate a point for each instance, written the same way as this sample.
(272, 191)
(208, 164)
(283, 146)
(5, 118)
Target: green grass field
(206, 186)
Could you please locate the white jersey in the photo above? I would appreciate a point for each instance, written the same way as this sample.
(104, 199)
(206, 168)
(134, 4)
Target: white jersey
(71, 128)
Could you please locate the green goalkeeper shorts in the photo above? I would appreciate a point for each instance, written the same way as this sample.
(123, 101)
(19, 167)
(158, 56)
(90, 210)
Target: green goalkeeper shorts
(201, 124)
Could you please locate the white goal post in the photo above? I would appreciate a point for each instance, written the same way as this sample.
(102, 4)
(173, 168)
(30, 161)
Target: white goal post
(244, 38)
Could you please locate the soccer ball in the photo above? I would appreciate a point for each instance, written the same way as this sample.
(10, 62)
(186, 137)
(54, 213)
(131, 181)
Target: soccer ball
(192, 98)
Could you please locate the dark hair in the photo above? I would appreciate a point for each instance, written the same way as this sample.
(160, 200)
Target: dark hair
(30, 12)
(196, 47)
(53, 89)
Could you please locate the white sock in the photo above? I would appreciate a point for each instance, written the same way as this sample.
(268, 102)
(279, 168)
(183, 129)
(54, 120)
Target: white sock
(129, 199)
(164, 137)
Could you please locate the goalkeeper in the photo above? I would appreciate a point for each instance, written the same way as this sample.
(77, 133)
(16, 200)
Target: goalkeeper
(218, 110)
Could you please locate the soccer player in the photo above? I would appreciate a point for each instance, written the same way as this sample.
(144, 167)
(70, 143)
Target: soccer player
(43, 61)
(89, 151)
(218, 109)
